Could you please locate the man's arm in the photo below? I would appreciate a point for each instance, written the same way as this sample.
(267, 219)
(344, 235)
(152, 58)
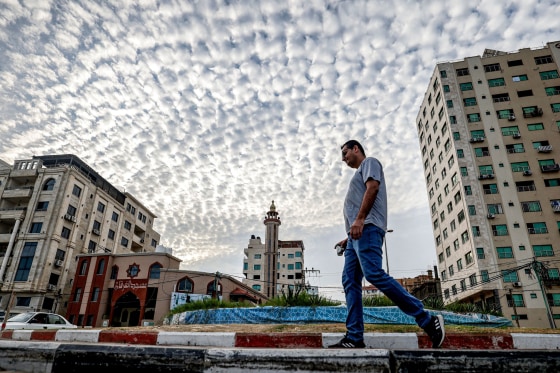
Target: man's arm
(372, 187)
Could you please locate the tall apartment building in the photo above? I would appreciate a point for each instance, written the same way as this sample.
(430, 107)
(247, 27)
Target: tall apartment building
(53, 208)
(489, 137)
(273, 265)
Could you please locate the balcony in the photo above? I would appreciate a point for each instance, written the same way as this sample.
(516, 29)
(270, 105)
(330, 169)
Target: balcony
(542, 230)
(551, 168)
(485, 176)
(27, 173)
(537, 112)
(476, 139)
(13, 213)
(23, 192)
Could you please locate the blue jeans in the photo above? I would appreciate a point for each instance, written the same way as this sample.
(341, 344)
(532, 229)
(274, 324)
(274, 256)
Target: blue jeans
(364, 258)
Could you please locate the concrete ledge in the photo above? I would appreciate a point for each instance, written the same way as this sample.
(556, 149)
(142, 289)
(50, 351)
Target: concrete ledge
(73, 335)
(27, 356)
(196, 339)
(536, 341)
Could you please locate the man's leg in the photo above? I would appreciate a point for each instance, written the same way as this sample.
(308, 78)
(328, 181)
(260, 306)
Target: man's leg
(369, 249)
(352, 281)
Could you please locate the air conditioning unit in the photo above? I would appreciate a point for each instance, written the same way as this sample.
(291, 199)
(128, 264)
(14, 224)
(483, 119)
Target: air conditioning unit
(516, 284)
(516, 135)
(96, 232)
(527, 173)
(58, 263)
(545, 149)
(556, 208)
(51, 287)
(490, 216)
(69, 217)
(511, 118)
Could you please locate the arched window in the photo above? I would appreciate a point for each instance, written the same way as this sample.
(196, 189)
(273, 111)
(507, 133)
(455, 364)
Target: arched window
(100, 267)
(49, 185)
(210, 288)
(154, 270)
(114, 272)
(185, 285)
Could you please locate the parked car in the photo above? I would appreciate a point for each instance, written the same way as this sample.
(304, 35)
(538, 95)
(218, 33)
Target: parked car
(37, 320)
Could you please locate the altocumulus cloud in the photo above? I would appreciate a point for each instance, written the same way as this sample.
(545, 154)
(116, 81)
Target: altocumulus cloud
(208, 110)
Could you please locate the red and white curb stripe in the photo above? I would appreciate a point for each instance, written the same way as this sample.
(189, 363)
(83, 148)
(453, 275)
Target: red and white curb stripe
(392, 341)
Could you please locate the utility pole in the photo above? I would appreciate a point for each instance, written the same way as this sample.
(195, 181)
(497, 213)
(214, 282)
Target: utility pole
(538, 267)
(305, 271)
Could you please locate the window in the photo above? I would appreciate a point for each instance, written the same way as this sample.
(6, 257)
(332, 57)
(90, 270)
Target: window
(440, 257)
(480, 253)
(531, 206)
(509, 275)
(185, 285)
(95, 295)
(454, 289)
(65, 233)
(519, 166)
(551, 182)
(535, 127)
(543, 250)
(481, 152)
(448, 251)
(83, 268)
(510, 131)
(477, 135)
(71, 210)
(546, 75)
(500, 230)
(256, 267)
(515, 63)
(486, 170)
(25, 261)
(77, 191)
(461, 216)
(115, 217)
(472, 280)
(519, 78)
(114, 272)
(111, 234)
(555, 108)
(155, 270)
(77, 295)
(466, 86)
(501, 97)
(541, 60)
(451, 271)
(468, 190)
(463, 72)
(463, 285)
(49, 184)
(506, 114)
(504, 252)
(127, 225)
(100, 267)
(469, 101)
(484, 277)
(91, 246)
(257, 287)
(473, 118)
(495, 208)
(517, 300)
(552, 91)
(124, 241)
(475, 231)
(465, 237)
(456, 136)
(36, 227)
(492, 67)
(490, 188)
(469, 258)
(496, 82)
(42, 206)
(537, 228)
(460, 153)
(446, 88)
(101, 207)
(449, 103)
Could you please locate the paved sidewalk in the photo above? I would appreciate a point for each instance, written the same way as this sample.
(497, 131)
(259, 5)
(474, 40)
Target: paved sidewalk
(290, 340)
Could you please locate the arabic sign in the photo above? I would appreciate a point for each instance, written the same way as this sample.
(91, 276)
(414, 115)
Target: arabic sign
(132, 284)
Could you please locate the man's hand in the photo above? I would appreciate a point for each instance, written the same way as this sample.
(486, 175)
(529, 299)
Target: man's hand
(343, 243)
(357, 228)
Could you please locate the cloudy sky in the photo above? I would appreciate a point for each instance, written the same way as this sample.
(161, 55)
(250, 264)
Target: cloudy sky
(208, 110)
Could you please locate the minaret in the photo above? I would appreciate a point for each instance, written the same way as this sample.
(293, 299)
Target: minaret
(272, 222)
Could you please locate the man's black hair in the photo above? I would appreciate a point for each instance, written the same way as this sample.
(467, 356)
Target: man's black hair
(350, 145)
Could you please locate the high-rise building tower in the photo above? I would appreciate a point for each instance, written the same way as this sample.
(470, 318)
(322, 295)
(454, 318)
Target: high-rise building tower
(273, 265)
(51, 209)
(489, 136)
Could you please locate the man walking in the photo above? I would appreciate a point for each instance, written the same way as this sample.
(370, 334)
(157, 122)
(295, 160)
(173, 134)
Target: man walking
(365, 218)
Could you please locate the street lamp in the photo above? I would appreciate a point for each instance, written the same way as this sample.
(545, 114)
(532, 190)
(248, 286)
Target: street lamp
(386, 251)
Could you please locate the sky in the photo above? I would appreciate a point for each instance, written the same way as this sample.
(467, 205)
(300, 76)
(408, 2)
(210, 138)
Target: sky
(207, 111)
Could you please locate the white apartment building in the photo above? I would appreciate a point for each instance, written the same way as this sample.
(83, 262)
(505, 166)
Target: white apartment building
(489, 132)
(273, 266)
(53, 208)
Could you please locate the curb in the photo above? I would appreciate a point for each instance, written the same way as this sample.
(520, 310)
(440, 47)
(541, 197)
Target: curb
(454, 341)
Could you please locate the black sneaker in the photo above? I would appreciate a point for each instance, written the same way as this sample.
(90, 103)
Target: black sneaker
(348, 343)
(436, 331)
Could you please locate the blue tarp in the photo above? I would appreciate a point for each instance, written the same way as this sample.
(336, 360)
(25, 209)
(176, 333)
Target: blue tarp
(315, 315)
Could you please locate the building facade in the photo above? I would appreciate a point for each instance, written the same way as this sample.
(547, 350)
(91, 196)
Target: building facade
(273, 266)
(489, 136)
(53, 208)
(137, 289)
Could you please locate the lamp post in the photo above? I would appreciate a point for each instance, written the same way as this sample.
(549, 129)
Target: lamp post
(386, 251)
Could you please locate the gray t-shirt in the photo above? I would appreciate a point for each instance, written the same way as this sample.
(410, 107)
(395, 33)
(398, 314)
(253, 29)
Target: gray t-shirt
(370, 168)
